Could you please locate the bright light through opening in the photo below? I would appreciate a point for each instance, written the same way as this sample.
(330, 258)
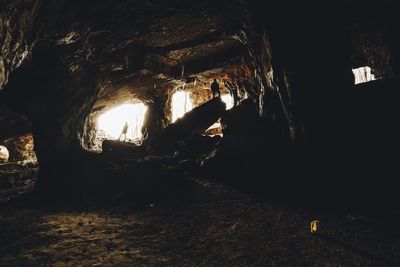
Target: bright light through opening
(363, 75)
(228, 100)
(111, 123)
(181, 103)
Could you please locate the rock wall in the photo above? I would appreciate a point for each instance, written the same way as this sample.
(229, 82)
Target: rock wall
(20, 149)
(16, 19)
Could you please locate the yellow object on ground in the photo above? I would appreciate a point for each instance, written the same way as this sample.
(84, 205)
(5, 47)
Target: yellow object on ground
(314, 226)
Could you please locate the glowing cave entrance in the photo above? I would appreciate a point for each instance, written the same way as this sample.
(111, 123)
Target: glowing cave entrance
(228, 100)
(216, 128)
(363, 75)
(182, 103)
(110, 125)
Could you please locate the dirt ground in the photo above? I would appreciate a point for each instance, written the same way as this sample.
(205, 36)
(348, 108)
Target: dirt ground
(218, 227)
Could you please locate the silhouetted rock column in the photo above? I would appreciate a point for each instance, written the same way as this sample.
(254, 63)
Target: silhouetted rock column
(41, 90)
(155, 118)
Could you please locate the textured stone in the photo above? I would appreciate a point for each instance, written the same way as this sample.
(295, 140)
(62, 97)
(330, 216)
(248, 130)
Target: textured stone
(20, 148)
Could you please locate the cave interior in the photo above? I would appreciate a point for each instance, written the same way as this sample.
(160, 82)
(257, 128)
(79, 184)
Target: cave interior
(305, 124)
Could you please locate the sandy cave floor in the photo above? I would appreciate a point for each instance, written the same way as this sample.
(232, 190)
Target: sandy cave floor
(219, 227)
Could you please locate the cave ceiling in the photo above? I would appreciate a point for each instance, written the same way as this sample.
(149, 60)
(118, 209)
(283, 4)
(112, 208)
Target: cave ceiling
(131, 47)
(136, 46)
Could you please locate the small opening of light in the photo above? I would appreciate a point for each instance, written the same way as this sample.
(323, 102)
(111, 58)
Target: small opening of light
(216, 127)
(228, 100)
(363, 75)
(181, 104)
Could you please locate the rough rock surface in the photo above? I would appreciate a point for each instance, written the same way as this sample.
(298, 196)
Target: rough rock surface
(17, 179)
(216, 226)
(20, 148)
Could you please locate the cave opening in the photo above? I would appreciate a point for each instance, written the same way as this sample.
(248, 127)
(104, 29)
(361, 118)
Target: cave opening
(110, 124)
(228, 100)
(184, 101)
(216, 128)
(181, 104)
(363, 75)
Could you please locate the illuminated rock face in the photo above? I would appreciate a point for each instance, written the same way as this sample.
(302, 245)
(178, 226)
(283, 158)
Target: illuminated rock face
(21, 149)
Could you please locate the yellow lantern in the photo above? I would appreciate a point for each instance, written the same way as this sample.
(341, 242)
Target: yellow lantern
(314, 226)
